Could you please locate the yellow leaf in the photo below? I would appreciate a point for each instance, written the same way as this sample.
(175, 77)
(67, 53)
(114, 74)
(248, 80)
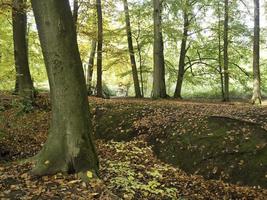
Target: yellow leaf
(89, 174)
(241, 162)
(47, 162)
(74, 181)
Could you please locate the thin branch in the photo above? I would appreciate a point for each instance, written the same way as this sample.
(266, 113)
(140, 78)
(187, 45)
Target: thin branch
(241, 69)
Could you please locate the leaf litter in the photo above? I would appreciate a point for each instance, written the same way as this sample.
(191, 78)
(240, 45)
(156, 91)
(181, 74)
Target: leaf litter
(129, 170)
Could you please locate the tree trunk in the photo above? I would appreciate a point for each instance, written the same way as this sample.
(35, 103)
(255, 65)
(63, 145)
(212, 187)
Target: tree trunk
(220, 53)
(69, 147)
(177, 93)
(159, 87)
(16, 90)
(256, 98)
(99, 90)
(91, 67)
(140, 55)
(140, 69)
(131, 50)
(75, 13)
(24, 84)
(225, 51)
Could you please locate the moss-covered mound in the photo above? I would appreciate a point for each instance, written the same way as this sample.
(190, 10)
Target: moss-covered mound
(226, 142)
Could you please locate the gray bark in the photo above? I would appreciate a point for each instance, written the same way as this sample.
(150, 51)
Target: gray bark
(220, 53)
(140, 69)
(181, 70)
(131, 50)
(225, 51)
(99, 90)
(256, 98)
(159, 86)
(69, 147)
(24, 83)
(91, 67)
(75, 13)
(139, 48)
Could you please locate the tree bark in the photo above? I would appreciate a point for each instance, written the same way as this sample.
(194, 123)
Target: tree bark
(178, 89)
(16, 89)
(69, 147)
(75, 13)
(91, 67)
(140, 55)
(225, 50)
(159, 86)
(99, 90)
(220, 52)
(24, 83)
(131, 50)
(256, 98)
(140, 69)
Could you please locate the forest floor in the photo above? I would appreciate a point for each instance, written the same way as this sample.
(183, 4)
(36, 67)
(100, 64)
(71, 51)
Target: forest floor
(129, 167)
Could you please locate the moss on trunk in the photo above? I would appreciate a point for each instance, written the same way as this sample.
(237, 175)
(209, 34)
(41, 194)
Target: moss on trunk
(69, 147)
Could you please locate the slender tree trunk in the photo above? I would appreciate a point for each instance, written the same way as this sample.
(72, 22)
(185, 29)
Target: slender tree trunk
(256, 98)
(75, 13)
(91, 67)
(24, 83)
(69, 147)
(140, 56)
(159, 86)
(140, 69)
(131, 50)
(220, 53)
(177, 93)
(92, 58)
(99, 90)
(225, 50)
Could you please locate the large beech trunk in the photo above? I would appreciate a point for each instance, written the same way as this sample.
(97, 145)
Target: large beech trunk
(69, 147)
(24, 84)
(256, 54)
(131, 50)
(159, 86)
